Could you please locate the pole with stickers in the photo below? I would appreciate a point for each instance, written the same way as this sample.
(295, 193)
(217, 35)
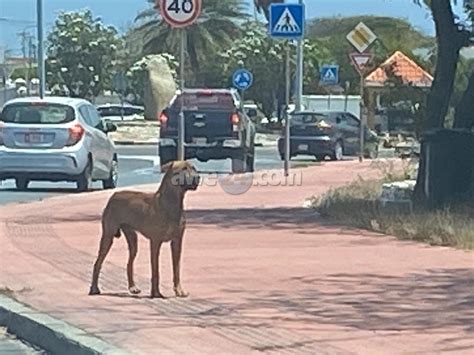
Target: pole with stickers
(361, 37)
(287, 22)
(180, 14)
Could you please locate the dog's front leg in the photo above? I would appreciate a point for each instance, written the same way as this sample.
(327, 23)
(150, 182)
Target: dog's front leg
(155, 247)
(176, 248)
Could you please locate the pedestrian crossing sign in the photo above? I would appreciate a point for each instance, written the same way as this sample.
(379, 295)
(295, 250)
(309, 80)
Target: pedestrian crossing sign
(287, 21)
(329, 75)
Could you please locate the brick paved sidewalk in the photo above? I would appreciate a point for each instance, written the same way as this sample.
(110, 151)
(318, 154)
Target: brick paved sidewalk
(264, 274)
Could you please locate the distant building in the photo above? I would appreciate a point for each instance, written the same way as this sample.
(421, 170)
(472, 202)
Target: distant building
(379, 82)
(402, 67)
(18, 62)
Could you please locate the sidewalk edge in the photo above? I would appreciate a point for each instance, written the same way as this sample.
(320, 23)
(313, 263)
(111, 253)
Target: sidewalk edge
(48, 333)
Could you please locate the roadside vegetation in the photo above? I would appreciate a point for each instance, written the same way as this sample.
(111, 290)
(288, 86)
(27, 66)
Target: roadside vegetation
(6, 291)
(357, 205)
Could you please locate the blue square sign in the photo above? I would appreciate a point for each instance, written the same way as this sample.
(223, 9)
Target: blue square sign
(287, 21)
(329, 75)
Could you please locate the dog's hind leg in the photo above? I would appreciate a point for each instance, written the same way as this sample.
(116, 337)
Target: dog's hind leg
(132, 241)
(105, 245)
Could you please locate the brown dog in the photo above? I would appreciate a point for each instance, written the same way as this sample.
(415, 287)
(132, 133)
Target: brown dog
(157, 216)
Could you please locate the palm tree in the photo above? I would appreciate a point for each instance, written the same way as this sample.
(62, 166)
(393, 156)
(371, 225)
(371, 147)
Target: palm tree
(216, 28)
(264, 6)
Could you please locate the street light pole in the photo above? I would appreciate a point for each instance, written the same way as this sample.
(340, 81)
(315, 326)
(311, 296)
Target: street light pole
(299, 71)
(41, 63)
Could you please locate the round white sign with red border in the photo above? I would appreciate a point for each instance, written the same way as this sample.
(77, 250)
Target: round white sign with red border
(180, 13)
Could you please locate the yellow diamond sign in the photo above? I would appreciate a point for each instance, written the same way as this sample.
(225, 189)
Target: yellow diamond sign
(361, 37)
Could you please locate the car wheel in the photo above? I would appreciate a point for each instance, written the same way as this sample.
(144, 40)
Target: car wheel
(282, 157)
(165, 158)
(84, 182)
(164, 161)
(22, 183)
(111, 182)
(372, 153)
(338, 152)
(239, 165)
(250, 163)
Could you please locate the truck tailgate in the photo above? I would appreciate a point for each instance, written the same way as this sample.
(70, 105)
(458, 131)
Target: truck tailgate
(203, 126)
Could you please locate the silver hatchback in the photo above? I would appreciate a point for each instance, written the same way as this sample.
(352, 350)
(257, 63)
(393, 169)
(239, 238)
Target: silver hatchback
(56, 139)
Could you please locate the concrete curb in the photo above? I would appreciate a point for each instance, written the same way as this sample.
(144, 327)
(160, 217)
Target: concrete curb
(134, 143)
(48, 333)
(156, 143)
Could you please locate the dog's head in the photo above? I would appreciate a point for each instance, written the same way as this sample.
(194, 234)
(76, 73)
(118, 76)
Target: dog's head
(182, 174)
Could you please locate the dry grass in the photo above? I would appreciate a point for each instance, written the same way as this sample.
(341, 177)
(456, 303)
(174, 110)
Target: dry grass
(6, 291)
(356, 205)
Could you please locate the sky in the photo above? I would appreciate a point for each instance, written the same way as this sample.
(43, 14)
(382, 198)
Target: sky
(19, 15)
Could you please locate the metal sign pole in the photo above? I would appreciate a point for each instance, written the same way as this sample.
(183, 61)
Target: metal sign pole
(287, 21)
(299, 71)
(121, 107)
(41, 63)
(180, 14)
(287, 115)
(4, 79)
(362, 120)
(181, 126)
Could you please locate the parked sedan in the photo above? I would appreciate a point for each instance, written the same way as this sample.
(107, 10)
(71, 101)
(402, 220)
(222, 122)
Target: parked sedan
(327, 134)
(56, 139)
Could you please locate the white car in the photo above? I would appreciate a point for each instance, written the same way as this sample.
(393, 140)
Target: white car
(56, 139)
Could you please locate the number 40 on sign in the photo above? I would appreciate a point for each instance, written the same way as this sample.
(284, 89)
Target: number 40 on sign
(180, 13)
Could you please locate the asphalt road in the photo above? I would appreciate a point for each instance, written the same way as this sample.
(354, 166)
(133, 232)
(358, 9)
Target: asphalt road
(139, 165)
(12, 346)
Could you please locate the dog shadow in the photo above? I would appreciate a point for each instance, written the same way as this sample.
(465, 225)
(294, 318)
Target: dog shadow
(141, 296)
(123, 295)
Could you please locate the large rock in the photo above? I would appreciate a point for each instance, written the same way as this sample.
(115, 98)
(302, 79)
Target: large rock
(160, 87)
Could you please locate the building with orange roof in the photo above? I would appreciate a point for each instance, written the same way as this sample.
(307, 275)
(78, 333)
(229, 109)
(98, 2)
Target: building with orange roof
(400, 66)
(397, 70)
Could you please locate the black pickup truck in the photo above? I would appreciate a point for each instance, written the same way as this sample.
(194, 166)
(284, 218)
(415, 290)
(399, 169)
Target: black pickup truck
(216, 127)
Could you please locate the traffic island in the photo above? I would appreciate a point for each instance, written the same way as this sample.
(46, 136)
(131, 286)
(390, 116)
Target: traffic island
(136, 133)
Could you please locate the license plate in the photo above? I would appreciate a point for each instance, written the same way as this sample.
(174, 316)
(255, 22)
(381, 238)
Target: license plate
(303, 147)
(34, 138)
(200, 140)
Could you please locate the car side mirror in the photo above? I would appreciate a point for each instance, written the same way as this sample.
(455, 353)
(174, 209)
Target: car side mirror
(338, 120)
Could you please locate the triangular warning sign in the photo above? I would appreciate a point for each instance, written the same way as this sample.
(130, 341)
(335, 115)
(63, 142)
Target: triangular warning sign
(329, 76)
(361, 60)
(286, 23)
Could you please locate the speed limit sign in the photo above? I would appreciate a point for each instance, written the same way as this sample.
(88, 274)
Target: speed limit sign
(180, 13)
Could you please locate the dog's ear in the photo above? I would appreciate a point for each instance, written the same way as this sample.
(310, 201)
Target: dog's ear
(167, 167)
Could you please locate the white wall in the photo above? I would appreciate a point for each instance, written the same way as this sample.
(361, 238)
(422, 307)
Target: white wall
(349, 103)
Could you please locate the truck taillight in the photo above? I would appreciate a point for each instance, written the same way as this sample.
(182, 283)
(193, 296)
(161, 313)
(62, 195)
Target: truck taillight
(235, 119)
(163, 119)
(76, 133)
